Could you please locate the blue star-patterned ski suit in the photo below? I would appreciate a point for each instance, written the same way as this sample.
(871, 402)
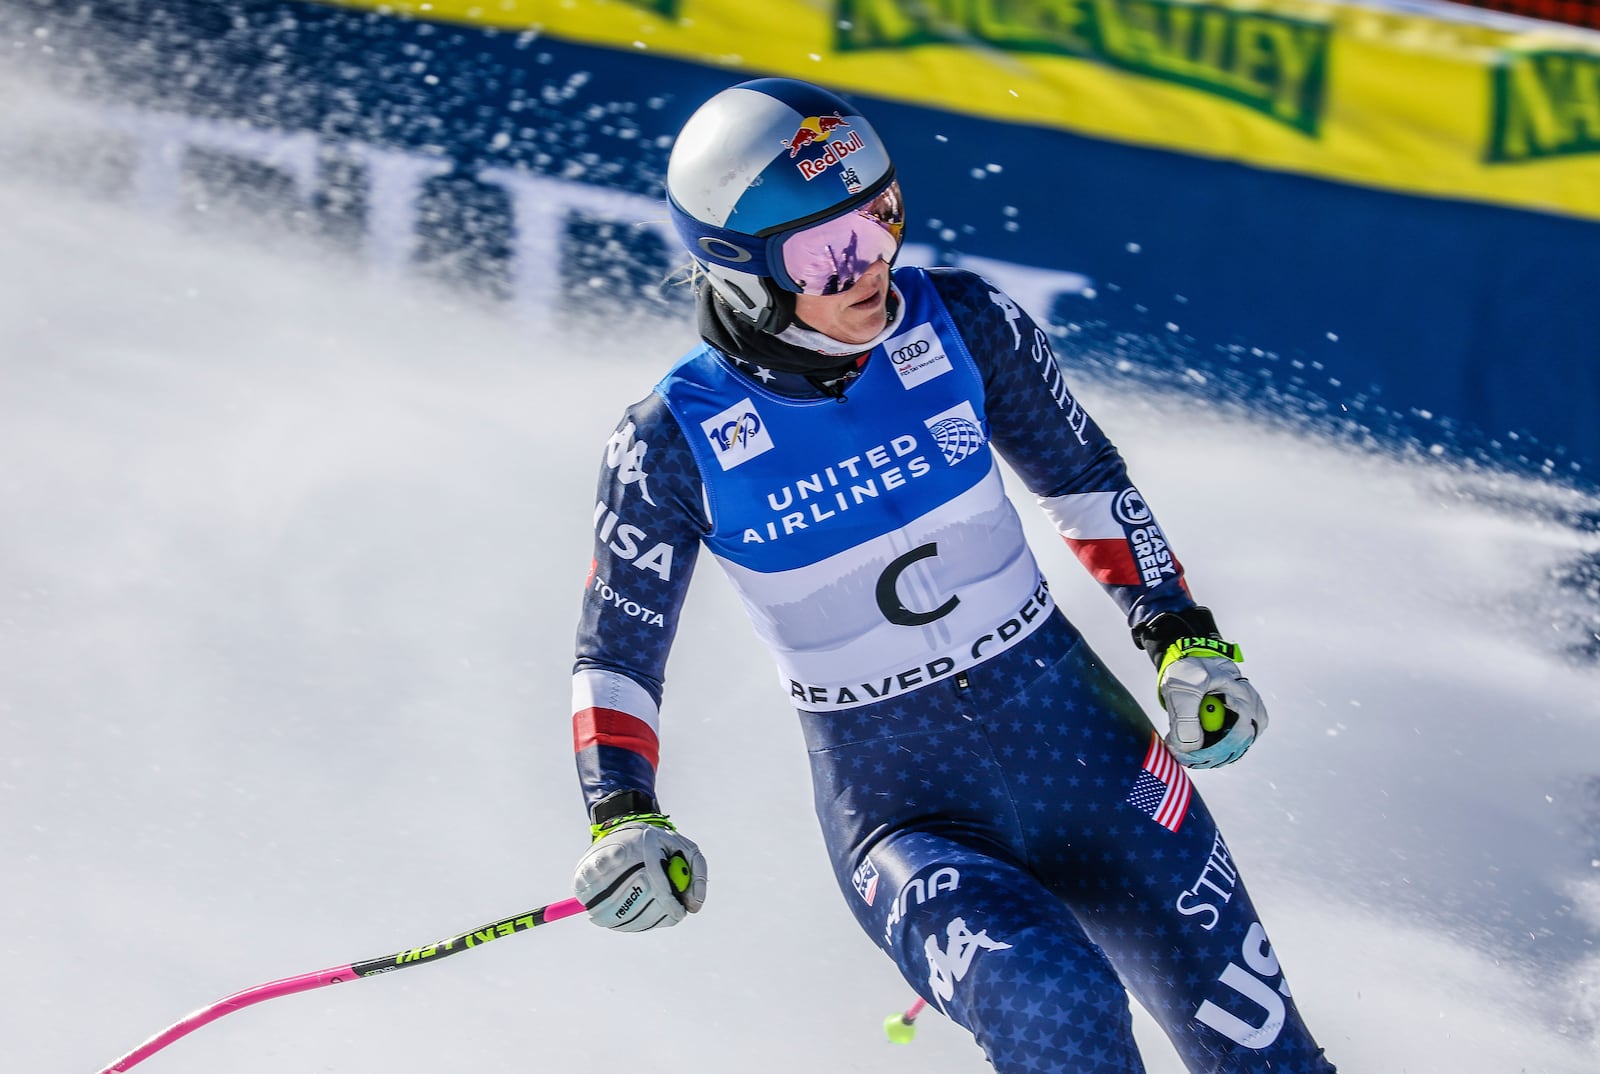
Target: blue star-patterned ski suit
(1001, 815)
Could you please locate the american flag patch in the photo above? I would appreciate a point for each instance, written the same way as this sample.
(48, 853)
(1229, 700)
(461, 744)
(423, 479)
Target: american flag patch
(866, 881)
(1162, 790)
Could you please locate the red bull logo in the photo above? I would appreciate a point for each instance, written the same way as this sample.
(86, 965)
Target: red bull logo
(817, 130)
(814, 130)
(835, 152)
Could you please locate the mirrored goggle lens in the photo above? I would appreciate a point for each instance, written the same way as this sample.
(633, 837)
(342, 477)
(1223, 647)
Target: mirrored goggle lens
(831, 256)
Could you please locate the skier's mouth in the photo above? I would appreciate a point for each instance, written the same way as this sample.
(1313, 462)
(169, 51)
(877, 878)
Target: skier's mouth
(874, 296)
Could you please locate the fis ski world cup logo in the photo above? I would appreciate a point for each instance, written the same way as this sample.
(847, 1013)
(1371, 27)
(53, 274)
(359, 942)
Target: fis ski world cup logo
(917, 355)
(957, 431)
(737, 434)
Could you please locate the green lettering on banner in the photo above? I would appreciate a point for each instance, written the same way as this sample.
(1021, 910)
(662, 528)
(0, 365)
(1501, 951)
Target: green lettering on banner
(1545, 104)
(667, 9)
(867, 24)
(1271, 64)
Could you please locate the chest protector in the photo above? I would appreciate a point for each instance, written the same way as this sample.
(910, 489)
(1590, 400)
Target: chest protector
(871, 541)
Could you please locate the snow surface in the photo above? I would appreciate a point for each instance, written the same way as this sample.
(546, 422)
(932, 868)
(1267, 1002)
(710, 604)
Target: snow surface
(289, 565)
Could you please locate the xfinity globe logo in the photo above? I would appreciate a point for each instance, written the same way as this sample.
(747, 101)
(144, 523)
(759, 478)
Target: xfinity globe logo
(917, 355)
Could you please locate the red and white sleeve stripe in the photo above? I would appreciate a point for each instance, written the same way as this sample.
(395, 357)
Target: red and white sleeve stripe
(609, 709)
(1089, 526)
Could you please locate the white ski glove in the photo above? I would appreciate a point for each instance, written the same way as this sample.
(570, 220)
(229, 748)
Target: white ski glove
(639, 872)
(1215, 713)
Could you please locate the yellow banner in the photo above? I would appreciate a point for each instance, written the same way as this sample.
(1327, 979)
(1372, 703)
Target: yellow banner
(1384, 98)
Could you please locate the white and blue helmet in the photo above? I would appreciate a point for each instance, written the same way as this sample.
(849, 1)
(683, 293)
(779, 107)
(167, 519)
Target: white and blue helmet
(761, 163)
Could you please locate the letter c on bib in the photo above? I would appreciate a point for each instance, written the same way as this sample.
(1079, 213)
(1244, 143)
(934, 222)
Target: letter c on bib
(889, 602)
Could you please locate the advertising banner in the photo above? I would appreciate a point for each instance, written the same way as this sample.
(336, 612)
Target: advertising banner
(1393, 99)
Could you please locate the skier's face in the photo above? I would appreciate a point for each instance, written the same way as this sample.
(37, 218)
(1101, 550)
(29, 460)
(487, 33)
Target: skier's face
(855, 316)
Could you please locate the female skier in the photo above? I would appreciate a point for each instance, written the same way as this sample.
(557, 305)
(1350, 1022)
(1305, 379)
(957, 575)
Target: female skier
(1001, 816)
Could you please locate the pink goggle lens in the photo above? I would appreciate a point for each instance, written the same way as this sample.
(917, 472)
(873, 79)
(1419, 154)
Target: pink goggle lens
(830, 257)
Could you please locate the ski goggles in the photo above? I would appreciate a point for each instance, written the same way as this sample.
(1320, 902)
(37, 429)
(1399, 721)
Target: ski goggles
(830, 256)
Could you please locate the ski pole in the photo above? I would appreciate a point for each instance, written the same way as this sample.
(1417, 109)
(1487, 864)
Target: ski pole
(900, 1028)
(369, 968)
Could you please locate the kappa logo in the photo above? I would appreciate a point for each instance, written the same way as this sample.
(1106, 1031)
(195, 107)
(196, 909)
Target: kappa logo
(948, 965)
(957, 431)
(625, 455)
(1012, 314)
(917, 356)
(737, 434)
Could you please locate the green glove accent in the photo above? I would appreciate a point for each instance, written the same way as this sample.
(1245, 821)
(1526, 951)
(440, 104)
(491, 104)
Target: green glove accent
(1203, 647)
(679, 873)
(606, 827)
(1213, 713)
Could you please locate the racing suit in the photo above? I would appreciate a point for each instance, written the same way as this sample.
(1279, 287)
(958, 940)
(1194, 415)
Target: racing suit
(1002, 817)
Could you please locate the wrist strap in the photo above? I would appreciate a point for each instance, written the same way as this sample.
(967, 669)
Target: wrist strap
(1163, 630)
(625, 807)
(655, 820)
(618, 803)
(1202, 647)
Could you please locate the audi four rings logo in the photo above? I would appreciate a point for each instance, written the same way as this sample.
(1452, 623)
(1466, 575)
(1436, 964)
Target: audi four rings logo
(914, 349)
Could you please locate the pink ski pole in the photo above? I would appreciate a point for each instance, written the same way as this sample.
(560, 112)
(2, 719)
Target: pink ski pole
(369, 968)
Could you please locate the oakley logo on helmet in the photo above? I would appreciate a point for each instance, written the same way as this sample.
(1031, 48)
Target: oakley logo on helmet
(738, 434)
(723, 250)
(816, 129)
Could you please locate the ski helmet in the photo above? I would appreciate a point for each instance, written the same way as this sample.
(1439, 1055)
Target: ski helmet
(778, 187)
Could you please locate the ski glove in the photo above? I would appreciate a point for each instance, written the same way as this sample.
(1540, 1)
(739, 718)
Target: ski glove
(1196, 674)
(639, 872)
